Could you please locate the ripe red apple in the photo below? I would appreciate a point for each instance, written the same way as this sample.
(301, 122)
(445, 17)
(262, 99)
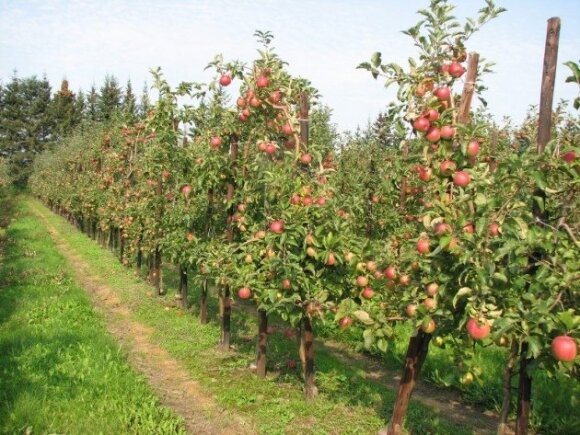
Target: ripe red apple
(241, 102)
(215, 142)
(287, 129)
(243, 117)
(442, 228)
(367, 293)
(447, 167)
(443, 93)
(411, 310)
(286, 284)
(564, 348)
(472, 148)
(345, 322)
(430, 304)
(362, 281)
(569, 156)
(190, 236)
(255, 102)
(431, 114)
(444, 69)
(421, 124)
(225, 80)
(425, 173)
(244, 293)
(432, 289)
(447, 132)
(456, 70)
(375, 199)
(275, 97)
(271, 148)
(277, 227)
(493, 229)
(391, 272)
(423, 246)
(469, 227)
(461, 179)
(186, 190)
(307, 200)
(305, 159)
(371, 266)
(433, 134)
(478, 330)
(263, 82)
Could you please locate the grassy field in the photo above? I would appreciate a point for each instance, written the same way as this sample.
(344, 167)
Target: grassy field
(59, 370)
(348, 403)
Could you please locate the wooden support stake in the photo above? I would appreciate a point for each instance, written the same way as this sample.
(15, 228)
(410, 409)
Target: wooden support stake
(468, 89)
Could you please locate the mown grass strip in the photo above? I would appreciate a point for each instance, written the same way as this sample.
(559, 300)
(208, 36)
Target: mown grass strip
(60, 372)
(348, 404)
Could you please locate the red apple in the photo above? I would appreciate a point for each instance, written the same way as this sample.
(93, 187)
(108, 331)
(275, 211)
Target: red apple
(447, 132)
(215, 142)
(263, 82)
(286, 284)
(331, 260)
(443, 93)
(431, 114)
(271, 148)
(430, 304)
(442, 228)
(444, 69)
(421, 124)
(244, 293)
(564, 348)
(423, 246)
(411, 310)
(305, 159)
(345, 322)
(428, 328)
(295, 199)
(432, 289)
(493, 229)
(569, 156)
(367, 293)
(186, 190)
(405, 280)
(275, 97)
(425, 174)
(307, 200)
(391, 272)
(241, 102)
(255, 102)
(472, 148)
(225, 80)
(456, 70)
(433, 134)
(277, 227)
(461, 179)
(447, 167)
(478, 330)
(287, 129)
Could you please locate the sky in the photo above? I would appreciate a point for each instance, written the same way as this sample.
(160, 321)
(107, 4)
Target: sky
(322, 40)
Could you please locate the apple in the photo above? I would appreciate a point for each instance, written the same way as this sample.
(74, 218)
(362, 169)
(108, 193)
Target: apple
(375, 199)
(271, 148)
(432, 289)
(331, 260)
(423, 246)
(467, 378)
(478, 330)
(411, 310)
(241, 102)
(432, 115)
(367, 293)
(248, 259)
(569, 156)
(371, 266)
(456, 70)
(430, 304)
(309, 239)
(472, 148)
(295, 199)
(277, 227)
(469, 227)
(225, 79)
(311, 252)
(186, 190)
(215, 142)
(405, 280)
(241, 207)
(461, 179)
(190, 236)
(260, 234)
(320, 201)
(428, 328)
(255, 102)
(305, 159)
(425, 174)
(286, 284)
(345, 322)
(348, 257)
(263, 82)
(564, 348)
(447, 167)
(442, 228)
(421, 124)
(287, 129)
(275, 97)
(244, 293)
(362, 281)
(433, 134)
(243, 117)
(444, 69)
(493, 229)
(447, 132)
(443, 93)
(391, 272)
(307, 200)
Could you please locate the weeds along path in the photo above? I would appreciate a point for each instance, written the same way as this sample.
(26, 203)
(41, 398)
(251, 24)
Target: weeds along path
(166, 375)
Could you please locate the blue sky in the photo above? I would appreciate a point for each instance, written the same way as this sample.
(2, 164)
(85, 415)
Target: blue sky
(323, 40)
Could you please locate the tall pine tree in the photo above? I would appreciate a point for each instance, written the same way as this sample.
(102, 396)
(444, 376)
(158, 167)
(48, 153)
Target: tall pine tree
(92, 113)
(62, 111)
(109, 102)
(129, 104)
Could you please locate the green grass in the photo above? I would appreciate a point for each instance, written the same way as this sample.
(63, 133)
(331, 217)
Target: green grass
(348, 404)
(59, 370)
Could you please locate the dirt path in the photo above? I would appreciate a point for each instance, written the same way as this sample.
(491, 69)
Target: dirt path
(167, 376)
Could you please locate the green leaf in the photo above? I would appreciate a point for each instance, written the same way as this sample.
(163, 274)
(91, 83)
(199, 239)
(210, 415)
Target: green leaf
(463, 291)
(534, 347)
(363, 317)
(376, 59)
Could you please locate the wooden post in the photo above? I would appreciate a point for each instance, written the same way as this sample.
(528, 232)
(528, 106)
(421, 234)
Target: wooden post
(403, 190)
(548, 80)
(225, 293)
(416, 354)
(502, 428)
(262, 343)
(468, 89)
(183, 286)
(304, 123)
(203, 303)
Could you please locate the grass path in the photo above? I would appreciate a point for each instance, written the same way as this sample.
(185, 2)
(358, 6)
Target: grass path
(216, 392)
